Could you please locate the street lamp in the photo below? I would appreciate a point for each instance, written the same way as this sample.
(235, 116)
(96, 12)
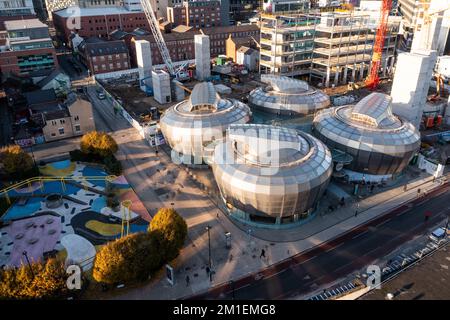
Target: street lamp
(209, 252)
(28, 261)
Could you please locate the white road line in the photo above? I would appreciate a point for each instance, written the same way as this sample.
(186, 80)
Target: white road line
(359, 235)
(380, 224)
(335, 247)
(306, 260)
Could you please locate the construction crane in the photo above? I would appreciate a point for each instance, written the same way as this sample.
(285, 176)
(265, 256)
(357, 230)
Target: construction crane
(178, 73)
(373, 79)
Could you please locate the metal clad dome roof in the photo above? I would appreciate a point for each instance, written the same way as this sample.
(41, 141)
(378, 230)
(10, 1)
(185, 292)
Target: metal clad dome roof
(284, 95)
(271, 171)
(380, 142)
(202, 118)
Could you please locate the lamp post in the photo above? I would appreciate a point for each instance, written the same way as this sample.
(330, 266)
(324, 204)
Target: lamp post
(28, 262)
(209, 253)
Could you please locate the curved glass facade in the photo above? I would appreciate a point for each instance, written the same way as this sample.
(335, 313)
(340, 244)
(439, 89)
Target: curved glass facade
(269, 171)
(192, 124)
(287, 96)
(379, 142)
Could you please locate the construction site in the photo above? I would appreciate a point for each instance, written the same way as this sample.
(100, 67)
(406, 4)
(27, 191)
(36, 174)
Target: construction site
(312, 68)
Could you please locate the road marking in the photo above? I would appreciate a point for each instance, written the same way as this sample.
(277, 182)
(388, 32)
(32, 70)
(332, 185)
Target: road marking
(362, 233)
(380, 224)
(335, 247)
(306, 260)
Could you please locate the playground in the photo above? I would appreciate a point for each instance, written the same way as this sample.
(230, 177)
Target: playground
(64, 213)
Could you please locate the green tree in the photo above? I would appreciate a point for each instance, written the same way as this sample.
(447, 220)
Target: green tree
(171, 230)
(129, 259)
(15, 160)
(98, 143)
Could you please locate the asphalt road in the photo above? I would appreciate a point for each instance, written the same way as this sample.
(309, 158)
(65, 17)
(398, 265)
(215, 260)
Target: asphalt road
(338, 258)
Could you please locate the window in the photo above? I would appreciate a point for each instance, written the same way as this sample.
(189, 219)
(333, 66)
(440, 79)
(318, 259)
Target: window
(76, 118)
(61, 131)
(77, 128)
(62, 121)
(53, 134)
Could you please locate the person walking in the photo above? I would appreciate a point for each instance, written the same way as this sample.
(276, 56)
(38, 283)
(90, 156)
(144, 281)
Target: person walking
(207, 271)
(405, 187)
(418, 192)
(187, 281)
(427, 215)
(263, 254)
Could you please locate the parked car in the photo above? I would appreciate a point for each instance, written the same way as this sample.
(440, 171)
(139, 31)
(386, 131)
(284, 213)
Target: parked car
(101, 96)
(438, 235)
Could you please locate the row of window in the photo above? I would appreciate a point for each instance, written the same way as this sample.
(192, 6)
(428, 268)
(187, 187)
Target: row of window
(102, 58)
(62, 132)
(111, 66)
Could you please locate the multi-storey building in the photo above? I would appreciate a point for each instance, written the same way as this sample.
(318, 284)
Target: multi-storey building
(16, 8)
(280, 6)
(101, 56)
(181, 45)
(331, 47)
(196, 13)
(28, 48)
(287, 43)
(242, 10)
(97, 22)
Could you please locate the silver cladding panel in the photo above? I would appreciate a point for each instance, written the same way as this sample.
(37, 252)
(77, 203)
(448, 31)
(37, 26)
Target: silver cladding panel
(284, 95)
(381, 150)
(188, 132)
(293, 187)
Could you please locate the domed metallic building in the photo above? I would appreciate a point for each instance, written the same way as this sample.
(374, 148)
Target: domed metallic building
(378, 142)
(193, 124)
(271, 174)
(287, 96)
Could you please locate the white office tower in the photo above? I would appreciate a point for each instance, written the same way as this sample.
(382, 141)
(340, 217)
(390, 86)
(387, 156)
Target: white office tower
(411, 83)
(161, 86)
(144, 63)
(202, 57)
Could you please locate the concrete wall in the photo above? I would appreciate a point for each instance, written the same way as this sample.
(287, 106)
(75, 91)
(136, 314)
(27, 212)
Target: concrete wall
(202, 56)
(144, 61)
(161, 86)
(411, 83)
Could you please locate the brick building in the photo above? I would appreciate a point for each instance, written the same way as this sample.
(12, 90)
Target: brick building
(101, 56)
(27, 48)
(181, 45)
(97, 22)
(196, 13)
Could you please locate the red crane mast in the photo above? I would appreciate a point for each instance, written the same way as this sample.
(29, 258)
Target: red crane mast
(373, 79)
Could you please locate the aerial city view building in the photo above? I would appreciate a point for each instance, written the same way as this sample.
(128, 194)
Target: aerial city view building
(224, 150)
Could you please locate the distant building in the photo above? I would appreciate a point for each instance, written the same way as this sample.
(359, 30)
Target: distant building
(97, 22)
(248, 57)
(28, 48)
(101, 56)
(243, 10)
(196, 13)
(233, 44)
(181, 45)
(16, 8)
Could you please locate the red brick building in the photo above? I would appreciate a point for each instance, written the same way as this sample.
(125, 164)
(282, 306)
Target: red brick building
(181, 45)
(102, 56)
(97, 22)
(197, 14)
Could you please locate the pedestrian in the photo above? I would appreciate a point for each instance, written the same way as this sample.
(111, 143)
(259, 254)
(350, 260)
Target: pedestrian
(427, 215)
(371, 188)
(356, 213)
(418, 192)
(405, 187)
(207, 270)
(263, 254)
(187, 280)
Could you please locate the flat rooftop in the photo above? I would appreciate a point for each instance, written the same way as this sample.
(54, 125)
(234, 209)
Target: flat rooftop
(24, 24)
(428, 280)
(90, 12)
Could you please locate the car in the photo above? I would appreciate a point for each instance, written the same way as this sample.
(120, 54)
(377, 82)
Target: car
(101, 96)
(438, 235)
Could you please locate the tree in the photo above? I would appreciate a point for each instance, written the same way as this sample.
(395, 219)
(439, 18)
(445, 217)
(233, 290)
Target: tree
(129, 259)
(98, 143)
(15, 160)
(171, 230)
(48, 282)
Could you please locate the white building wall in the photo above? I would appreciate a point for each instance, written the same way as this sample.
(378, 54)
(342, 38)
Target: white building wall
(144, 62)
(202, 56)
(161, 86)
(411, 83)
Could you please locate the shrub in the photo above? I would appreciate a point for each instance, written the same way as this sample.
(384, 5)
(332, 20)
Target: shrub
(98, 143)
(49, 281)
(129, 259)
(171, 230)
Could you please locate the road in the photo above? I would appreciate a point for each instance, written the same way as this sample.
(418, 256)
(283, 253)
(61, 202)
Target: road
(341, 257)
